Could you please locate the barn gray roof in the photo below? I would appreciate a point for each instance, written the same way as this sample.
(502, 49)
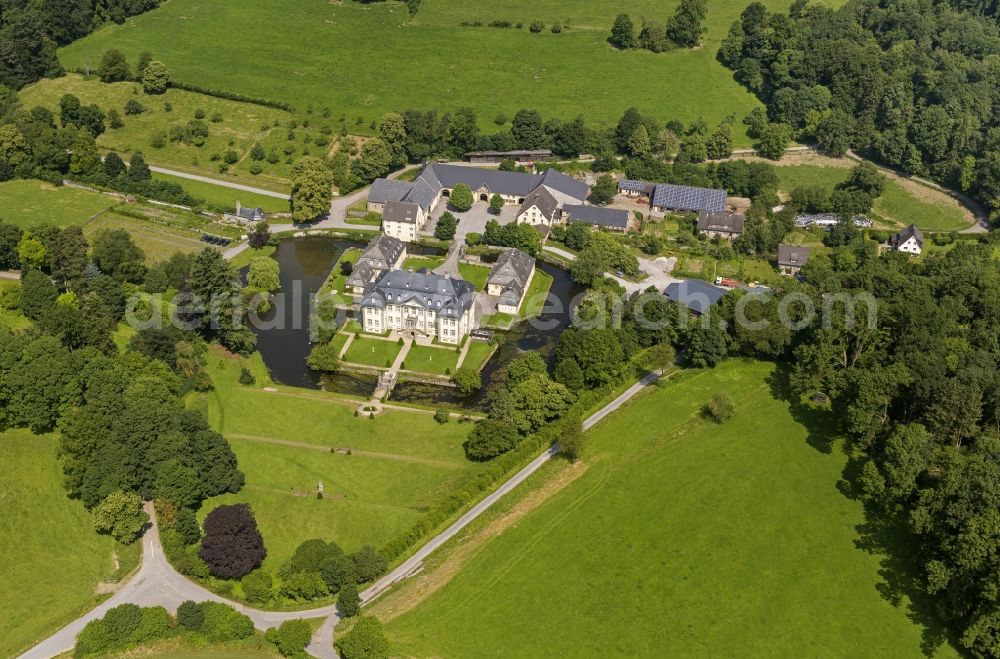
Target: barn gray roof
(686, 198)
(446, 296)
(695, 294)
(636, 186)
(720, 221)
(597, 215)
(543, 199)
(794, 255)
(565, 184)
(384, 190)
(400, 211)
(509, 183)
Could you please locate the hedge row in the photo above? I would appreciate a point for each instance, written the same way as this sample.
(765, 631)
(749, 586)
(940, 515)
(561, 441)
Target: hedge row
(232, 96)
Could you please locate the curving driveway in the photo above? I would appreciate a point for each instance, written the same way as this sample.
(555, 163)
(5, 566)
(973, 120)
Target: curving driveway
(158, 584)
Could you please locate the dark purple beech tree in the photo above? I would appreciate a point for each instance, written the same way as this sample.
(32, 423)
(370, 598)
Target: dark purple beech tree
(232, 546)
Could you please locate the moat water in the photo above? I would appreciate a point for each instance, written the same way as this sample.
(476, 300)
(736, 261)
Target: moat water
(284, 339)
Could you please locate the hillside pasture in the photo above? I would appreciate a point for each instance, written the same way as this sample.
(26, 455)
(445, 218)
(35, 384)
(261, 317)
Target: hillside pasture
(241, 125)
(309, 56)
(681, 537)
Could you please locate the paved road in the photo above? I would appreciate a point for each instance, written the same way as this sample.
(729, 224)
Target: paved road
(215, 181)
(657, 271)
(449, 268)
(158, 584)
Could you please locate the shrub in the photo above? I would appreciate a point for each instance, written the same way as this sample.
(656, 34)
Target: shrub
(556, 27)
(441, 416)
(93, 639)
(199, 114)
(348, 602)
(217, 118)
(366, 641)
(257, 586)
(720, 408)
(256, 169)
(304, 586)
(291, 637)
(190, 615)
(536, 26)
(368, 564)
(133, 106)
(246, 377)
(223, 623)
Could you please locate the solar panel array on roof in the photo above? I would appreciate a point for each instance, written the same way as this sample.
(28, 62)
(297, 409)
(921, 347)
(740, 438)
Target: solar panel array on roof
(685, 198)
(634, 186)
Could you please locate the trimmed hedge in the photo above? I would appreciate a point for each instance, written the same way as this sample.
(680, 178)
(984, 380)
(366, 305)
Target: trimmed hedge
(233, 96)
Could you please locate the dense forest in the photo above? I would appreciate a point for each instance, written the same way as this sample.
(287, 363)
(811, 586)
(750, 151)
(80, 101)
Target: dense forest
(31, 31)
(916, 84)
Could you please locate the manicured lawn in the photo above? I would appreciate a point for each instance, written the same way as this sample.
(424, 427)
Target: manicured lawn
(683, 538)
(476, 357)
(562, 74)
(373, 352)
(474, 274)
(53, 558)
(418, 262)
(400, 463)
(30, 204)
(224, 197)
(157, 241)
(896, 205)
(535, 298)
(243, 123)
(430, 359)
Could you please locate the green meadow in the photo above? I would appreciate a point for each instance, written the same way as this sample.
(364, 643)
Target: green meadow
(53, 557)
(361, 60)
(684, 538)
(31, 203)
(379, 475)
(226, 197)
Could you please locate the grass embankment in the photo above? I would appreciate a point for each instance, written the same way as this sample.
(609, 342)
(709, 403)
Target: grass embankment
(681, 538)
(157, 241)
(379, 475)
(53, 558)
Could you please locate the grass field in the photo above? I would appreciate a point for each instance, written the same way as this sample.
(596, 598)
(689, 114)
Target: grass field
(430, 359)
(158, 242)
(242, 125)
(223, 196)
(53, 558)
(474, 274)
(682, 538)
(400, 463)
(29, 204)
(419, 262)
(336, 283)
(372, 352)
(896, 205)
(535, 297)
(492, 70)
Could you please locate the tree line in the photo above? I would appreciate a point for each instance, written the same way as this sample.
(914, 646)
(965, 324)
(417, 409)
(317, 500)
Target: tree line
(30, 32)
